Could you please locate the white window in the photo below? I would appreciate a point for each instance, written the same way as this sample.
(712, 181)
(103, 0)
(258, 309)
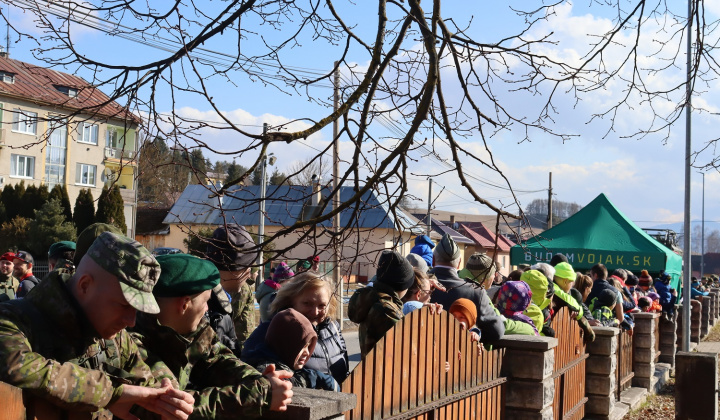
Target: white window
(71, 92)
(7, 77)
(85, 174)
(24, 121)
(22, 166)
(88, 133)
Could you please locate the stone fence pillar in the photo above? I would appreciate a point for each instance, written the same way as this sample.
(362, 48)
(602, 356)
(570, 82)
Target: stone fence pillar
(705, 323)
(716, 290)
(601, 373)
(669, 338)
(713, 307)
(529, 366)
(696, 321)
(644, 336)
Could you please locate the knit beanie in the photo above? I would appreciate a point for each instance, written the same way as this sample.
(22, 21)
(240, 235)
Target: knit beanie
(467, 308)
(282, 273)
(228, 248)
(607, 298)
(513, 298)
(288, 333)
(557, 259)
(565, 271)
(481, 266)
(645, 279)
(632, 280)
(418, 262)
(447, 249)
(395, 271)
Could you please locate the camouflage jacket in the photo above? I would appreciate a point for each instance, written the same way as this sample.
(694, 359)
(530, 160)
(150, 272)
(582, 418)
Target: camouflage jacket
(50, 349)
(243, 313)
(222, 385)
(376, 309)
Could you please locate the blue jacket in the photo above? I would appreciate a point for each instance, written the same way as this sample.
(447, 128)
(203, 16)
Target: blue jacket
(423, 247)
(663, 290)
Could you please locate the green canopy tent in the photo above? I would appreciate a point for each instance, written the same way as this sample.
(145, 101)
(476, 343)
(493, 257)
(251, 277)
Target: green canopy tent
(600, 233)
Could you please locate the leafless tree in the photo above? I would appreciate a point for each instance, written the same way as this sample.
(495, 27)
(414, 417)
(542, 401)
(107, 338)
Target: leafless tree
(429, 79)
(304, 171)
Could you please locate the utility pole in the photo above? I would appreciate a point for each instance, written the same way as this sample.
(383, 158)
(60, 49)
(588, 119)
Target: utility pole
(687, 254)
(261, 224)
(549, 218)
(337, 279)
(702, 235)
(429, 205)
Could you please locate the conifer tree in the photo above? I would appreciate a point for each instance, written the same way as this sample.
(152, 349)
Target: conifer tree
(84, 212)
(49, 226)
(60, 193)
(111, 208)
(8, 199)
(29, 202)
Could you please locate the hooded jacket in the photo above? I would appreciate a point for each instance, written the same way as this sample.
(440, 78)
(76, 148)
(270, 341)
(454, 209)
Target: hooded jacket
(423, 247)
(264, 296)
(376, 309)
(330, 355)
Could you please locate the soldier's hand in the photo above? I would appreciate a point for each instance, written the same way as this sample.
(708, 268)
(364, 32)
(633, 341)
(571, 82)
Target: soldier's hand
(168, 402)
(280, 388)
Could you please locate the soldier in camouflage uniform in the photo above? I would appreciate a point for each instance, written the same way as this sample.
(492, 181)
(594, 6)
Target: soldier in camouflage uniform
(8, 283)
(65, 342)
(378, 308)
(179, 342)
(230, 249)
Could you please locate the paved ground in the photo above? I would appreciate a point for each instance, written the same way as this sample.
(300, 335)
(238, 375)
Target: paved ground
(353, 347)
(708, 347)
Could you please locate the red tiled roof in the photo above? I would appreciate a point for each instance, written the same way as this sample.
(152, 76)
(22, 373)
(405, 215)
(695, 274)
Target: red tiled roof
(37, 84)
(484, 238)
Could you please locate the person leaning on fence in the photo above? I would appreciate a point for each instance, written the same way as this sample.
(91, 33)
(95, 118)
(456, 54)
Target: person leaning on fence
(311, 294)
(465, 312)
(512, 300)
(564, 278)
(446, 262)
(580, 290)
(599, 275)
(66, 343)
(418, 295)
(289, 343)
(603, 308)
(178, 342)
(376, 309)
(645, 283)
(8, 283)
(231, 249)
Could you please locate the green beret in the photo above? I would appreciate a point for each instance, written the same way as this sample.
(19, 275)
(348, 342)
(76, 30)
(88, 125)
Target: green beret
(58, 248)
(185, 275)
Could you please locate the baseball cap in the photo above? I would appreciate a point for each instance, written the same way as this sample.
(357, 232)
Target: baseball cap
(8, 256)
(24, 256)
(229, 248)
(133, 265)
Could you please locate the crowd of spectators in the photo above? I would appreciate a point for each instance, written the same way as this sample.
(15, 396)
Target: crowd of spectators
(191, 320)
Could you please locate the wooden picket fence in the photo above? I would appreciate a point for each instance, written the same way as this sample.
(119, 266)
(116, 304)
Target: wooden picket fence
(570, 357)
(404, 376)
(624, 369)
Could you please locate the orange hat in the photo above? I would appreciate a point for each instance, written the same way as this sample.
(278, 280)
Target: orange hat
(467, 308)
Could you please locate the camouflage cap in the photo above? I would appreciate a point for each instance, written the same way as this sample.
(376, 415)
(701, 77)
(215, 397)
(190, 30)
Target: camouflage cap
(88, 236)
(132, 264)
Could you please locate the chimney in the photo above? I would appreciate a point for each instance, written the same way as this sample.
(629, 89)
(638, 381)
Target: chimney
(452, 219)
(316, 195)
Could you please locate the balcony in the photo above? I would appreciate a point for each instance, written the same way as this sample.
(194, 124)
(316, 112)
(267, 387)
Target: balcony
(119, 154)
(128, 196)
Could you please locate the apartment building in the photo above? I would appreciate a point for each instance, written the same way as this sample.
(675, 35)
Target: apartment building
(56, 128)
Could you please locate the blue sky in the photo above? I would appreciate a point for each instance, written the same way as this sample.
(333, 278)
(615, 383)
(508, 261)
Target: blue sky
(643, 177)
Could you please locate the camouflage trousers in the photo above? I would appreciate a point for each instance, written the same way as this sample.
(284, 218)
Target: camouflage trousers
(243, 313)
